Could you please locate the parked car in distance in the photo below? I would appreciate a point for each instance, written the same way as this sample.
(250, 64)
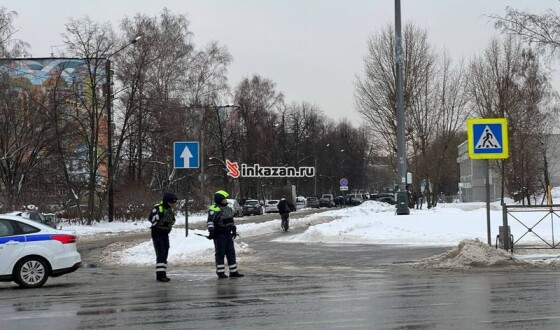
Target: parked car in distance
(31, 252)
(354, 199)
(237, 209)
(312, 202)
(326, 200)
(387, 199)
(376, 196)
(301, 202)
(271, 206)
(252, 206)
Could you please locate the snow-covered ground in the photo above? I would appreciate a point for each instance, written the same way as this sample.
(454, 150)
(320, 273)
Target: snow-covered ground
(370, 223)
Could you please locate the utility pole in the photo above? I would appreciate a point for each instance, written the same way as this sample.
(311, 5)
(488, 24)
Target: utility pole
(402, 195)
(109, 101)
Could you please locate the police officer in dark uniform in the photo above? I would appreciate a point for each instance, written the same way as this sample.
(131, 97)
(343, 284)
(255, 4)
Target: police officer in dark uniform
(162, 218)
(222, 230)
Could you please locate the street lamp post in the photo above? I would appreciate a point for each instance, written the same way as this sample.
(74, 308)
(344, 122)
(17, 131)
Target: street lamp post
(402, 195)
(315, 183)
(330, 177)
(109, 106)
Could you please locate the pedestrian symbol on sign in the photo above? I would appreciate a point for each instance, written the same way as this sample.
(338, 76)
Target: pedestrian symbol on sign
(488, 140)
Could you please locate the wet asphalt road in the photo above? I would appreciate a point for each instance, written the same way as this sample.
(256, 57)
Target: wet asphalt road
(291, 286)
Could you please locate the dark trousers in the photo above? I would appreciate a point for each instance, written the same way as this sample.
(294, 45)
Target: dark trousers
(223, 244)
(161, 245)
(285, 220)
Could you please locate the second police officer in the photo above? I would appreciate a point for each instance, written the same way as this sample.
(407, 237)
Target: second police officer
(222, 230)
(162, 218)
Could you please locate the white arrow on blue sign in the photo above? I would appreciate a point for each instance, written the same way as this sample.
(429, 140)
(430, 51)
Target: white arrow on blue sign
(186, 155)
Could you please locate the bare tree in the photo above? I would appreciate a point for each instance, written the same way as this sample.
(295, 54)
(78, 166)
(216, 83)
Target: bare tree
(93, 42)
(437, 115)
(508, 81)
(259, 106)
(541, 30)
(206, 80)
(9, 46)
(375, 95)
(435, 103)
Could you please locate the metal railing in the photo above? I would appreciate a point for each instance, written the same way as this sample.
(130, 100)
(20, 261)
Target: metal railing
(539, 215)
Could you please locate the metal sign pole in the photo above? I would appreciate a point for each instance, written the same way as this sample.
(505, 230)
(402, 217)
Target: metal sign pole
(187, 210)
(488, 139)
(488, 201)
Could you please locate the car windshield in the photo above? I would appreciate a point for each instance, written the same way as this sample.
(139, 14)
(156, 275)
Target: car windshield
(272, 202)
(311, 199)
(251, 202)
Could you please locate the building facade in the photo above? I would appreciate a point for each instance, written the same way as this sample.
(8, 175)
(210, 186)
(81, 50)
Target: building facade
(472, 172)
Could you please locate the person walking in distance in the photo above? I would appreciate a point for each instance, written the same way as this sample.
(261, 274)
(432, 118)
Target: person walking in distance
(221, 228)
(284, 208)
(162, 218)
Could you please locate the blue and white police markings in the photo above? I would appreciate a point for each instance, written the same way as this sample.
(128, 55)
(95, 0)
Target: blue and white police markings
(186, 155)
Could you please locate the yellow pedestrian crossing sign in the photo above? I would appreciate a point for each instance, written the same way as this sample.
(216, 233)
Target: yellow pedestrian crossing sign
(487, 138)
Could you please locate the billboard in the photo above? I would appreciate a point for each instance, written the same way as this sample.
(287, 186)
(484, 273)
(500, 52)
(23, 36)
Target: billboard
(73, 88)
(38, 71)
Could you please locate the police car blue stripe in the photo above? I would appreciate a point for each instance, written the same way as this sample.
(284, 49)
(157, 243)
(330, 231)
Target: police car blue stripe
(40, 237)
(4, 240)
(26, 238)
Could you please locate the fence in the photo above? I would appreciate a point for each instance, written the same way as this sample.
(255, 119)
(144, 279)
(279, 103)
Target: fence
(537, 225)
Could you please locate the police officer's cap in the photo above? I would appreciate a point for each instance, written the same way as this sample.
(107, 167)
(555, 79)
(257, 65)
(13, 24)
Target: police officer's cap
(220, 195)
(169, 197)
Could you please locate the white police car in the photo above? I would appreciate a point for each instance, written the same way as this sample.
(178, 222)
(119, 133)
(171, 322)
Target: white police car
(30, 251)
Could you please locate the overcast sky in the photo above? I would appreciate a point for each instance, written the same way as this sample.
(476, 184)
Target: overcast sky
(312, 49)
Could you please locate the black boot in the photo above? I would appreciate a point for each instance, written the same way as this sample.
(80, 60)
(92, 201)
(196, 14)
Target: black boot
(222, 275)
(236, 274)
(162, 277)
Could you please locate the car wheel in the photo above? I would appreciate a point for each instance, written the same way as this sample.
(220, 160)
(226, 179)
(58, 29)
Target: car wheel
(31, 272)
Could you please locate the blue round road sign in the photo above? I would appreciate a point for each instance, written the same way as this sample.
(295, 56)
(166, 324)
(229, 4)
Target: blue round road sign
(343, 182)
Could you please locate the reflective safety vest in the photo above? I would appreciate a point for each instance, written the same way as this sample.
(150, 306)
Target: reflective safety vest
(220, 216)
(166, 218)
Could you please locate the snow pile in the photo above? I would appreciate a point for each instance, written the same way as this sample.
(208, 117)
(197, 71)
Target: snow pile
(542, 257)
(195, 249)
(471, 254)
(376, 223)
(191, 250)
(104, 227)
